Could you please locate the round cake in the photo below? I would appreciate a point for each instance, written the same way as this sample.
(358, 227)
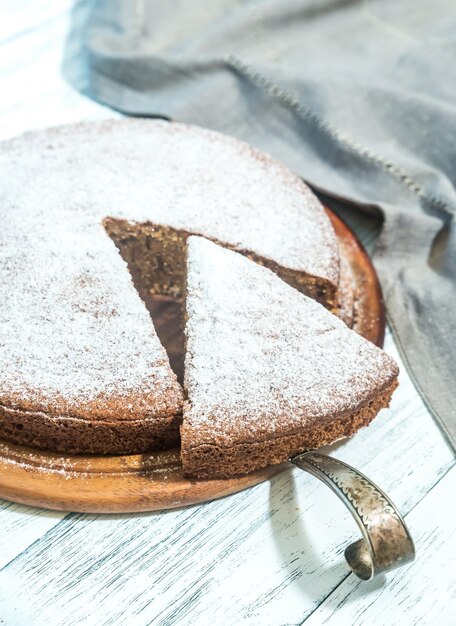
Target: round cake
(96, 215)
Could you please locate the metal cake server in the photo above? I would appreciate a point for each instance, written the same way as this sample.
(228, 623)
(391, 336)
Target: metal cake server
(386, 541)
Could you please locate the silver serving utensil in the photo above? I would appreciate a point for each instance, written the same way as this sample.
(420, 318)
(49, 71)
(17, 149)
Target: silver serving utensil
(386, 542)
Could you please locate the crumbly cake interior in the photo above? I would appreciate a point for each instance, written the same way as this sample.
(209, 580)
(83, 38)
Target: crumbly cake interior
(317, 289)
(156, 257)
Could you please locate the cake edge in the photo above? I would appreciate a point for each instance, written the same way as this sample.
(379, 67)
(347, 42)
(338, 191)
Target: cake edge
(75, 435)
(210, 460)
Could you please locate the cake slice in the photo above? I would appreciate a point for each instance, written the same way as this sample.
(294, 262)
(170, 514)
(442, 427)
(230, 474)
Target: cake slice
(268, 371)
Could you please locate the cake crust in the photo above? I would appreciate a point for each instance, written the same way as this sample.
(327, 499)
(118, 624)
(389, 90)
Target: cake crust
(75, 435)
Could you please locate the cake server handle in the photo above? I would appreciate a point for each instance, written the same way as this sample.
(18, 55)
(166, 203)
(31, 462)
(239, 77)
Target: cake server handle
(386, 542)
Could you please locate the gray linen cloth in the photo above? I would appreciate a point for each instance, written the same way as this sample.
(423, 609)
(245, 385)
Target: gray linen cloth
(359, 98)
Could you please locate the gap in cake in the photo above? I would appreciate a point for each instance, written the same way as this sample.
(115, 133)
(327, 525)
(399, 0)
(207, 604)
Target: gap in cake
(157, 253)
(156, 258)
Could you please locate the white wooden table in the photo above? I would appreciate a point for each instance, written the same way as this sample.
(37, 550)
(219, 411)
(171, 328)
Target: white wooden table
(270, 555)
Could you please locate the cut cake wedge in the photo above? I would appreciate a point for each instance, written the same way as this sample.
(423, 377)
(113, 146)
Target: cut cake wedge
(268, 372)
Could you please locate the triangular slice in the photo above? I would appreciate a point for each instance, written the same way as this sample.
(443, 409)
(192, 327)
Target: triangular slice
(268, 371)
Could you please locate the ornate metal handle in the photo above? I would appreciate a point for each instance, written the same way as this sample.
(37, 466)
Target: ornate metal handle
(386, 542)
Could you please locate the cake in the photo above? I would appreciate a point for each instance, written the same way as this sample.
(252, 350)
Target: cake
(268, 371)
(346, 294)
(82, 367)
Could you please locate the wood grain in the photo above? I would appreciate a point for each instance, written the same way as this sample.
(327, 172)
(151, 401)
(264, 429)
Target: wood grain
(144, 482)
(22, 526)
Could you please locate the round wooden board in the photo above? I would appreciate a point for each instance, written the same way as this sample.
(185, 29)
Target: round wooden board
(150, 482)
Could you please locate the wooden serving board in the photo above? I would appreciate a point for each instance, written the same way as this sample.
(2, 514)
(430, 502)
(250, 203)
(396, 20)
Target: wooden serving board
(150, 482)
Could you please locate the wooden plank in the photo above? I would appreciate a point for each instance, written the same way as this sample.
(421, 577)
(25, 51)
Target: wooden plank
(422, 593)
(20, 527)
(269, 555)
(35, 93)
(23, 17)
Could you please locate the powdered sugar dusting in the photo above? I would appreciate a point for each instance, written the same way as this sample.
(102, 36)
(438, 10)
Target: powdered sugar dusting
(263, 359)
(72, 325)
(181, 176)
(72, 328)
